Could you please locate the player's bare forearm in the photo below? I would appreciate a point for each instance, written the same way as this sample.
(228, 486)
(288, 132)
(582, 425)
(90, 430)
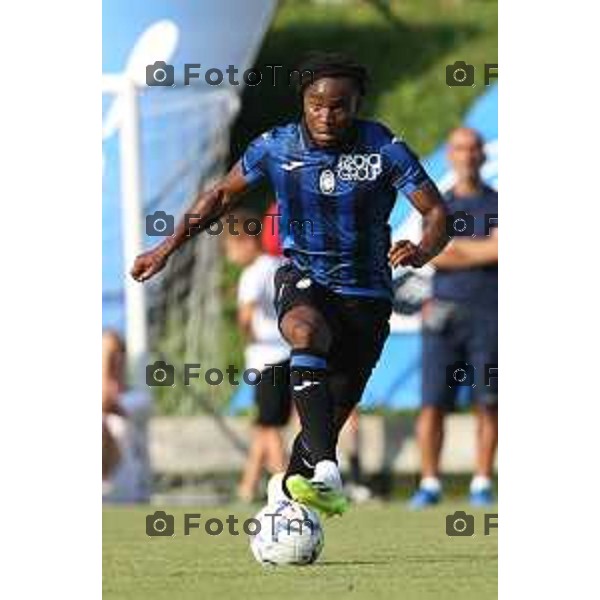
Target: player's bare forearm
(209, 205)
(428, 201)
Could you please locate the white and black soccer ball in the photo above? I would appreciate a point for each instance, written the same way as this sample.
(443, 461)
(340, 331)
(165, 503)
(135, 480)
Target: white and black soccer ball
(290, 534)
(411, 288)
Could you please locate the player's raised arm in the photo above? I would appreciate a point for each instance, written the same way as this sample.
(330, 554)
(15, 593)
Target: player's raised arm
(209, 205)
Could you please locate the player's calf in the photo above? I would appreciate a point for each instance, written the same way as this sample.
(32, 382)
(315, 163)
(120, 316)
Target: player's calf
(313, 401)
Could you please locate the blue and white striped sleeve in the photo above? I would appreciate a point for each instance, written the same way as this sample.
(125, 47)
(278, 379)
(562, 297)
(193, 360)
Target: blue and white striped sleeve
(255, 157)
(406, 172)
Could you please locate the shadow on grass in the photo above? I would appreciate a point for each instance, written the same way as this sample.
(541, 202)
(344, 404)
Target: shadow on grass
(346, 563)
(452, 558)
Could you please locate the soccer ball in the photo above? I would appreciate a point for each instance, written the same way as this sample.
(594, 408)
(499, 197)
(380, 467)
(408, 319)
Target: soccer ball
(290, 534)
(411, 289)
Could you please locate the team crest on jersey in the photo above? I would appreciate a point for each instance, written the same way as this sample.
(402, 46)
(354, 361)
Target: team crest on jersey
(359, 167)
(327, 181)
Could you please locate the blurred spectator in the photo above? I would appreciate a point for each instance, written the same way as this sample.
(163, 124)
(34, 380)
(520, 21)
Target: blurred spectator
(125, 413)
(460, 323)
(110, 452)
(258, 321)
(354, 488)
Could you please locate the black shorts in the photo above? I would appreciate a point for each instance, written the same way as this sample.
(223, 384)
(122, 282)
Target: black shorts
(359, 326)
(273, 397)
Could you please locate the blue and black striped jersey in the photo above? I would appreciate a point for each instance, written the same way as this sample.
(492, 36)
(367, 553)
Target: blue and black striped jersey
(335, 203)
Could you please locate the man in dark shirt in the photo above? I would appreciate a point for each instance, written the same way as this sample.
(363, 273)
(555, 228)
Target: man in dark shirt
(460, 324)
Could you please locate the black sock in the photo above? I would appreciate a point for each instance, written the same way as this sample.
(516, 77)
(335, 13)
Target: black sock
(314, 403)
(301, 462)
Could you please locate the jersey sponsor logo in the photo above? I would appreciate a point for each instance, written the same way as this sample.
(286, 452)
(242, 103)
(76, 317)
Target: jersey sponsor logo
(359, 167)
(327, 181)
(293, 164)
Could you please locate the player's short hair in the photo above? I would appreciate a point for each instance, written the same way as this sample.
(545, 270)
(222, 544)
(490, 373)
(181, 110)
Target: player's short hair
(332, 64)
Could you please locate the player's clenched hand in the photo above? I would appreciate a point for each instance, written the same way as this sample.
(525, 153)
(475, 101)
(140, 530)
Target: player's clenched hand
(148, 264)
(406, 254)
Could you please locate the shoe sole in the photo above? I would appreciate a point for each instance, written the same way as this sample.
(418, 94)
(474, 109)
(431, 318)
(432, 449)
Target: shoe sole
(303, 492)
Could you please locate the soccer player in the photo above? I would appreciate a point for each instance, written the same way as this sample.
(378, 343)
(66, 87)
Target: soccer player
(335, 178)
(460, 323)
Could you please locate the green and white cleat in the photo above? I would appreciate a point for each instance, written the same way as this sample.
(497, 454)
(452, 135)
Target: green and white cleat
(317, 495)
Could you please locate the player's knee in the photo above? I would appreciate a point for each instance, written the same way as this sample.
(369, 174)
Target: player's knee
(304, 334)
(309, 336)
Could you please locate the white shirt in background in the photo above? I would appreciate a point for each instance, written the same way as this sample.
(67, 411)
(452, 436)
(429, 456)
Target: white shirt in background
(257, 286)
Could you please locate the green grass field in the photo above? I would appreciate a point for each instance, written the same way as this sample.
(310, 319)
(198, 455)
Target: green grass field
(375, 551)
